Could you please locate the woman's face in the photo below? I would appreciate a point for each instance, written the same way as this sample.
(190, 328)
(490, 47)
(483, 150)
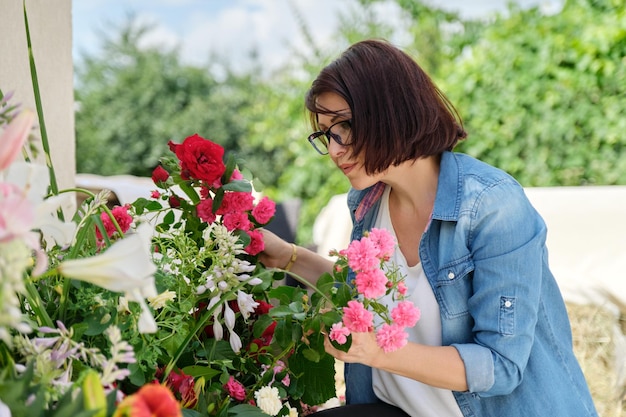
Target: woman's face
(349, 164)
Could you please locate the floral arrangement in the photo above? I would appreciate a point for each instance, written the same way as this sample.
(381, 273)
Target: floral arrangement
(161, 307)
(162, 304)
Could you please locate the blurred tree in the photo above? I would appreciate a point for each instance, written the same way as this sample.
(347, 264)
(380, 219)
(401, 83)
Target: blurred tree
(543, 96)
(131, 100)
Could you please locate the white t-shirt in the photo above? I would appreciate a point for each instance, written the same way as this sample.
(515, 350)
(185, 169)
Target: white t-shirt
(415, 398)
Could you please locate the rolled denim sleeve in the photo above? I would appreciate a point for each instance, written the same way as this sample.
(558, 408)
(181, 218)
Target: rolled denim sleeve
(507, 243)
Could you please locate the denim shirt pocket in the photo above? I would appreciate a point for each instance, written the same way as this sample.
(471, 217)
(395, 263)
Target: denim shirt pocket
(454, 287)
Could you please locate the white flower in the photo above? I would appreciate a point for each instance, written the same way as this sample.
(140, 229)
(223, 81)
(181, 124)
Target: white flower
(125, 267)
(34, 180)
(293, 412)
(229, 317)
(14, 259)
(160, 300)
(235, 342)
(246, 304)
(268, 400)
(4, 410)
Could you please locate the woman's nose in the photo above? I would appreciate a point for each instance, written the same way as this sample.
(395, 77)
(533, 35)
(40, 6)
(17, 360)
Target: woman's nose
(335, 149)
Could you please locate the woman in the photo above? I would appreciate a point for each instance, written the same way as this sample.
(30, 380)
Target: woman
(494, 338)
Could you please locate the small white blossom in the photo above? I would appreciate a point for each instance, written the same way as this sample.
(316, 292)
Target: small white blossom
(160, 300)
(246, 304)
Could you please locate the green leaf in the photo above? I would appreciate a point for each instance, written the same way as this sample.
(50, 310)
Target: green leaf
(246, 410)
(318, 378)
(238, 185)
(198, 371)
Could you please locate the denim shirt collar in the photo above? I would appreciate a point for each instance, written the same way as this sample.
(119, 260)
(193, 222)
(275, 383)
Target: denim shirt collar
(449, 188)
(447, 200)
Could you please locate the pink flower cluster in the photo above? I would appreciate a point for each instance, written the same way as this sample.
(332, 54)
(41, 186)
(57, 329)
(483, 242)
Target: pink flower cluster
(366, 257)
(200, 160)
(121, 216)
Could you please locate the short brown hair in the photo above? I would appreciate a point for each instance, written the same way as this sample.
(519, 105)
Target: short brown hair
(398, 113)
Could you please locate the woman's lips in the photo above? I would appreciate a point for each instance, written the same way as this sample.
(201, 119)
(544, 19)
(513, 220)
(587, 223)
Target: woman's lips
(346, 168)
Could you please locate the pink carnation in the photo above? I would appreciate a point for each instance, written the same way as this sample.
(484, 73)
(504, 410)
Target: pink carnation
(361, 255)
(123, 219)
(237, 220)
(257, 244)
(372, 283)
(357, 318)
(236, 175)
(236, 201)
(391, 337)
(264, 210)
(204, 209)
(235, 389)
(402, 288)
(405, 314)
(339, 333)
(383, 241)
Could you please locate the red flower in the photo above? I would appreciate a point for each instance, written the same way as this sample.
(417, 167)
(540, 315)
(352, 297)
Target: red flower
(174, 201)
(237, 220)
(205, 211)
(236, 201)
(183, 387)
(160, 175)
(123, 219)
(152, 400)
(266, 337)
(235, 389)
(264, 210)
(256, 242)
(200, 159)
(263, 308)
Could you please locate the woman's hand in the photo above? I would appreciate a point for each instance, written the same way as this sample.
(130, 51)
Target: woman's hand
(363, 349)
(277, 252)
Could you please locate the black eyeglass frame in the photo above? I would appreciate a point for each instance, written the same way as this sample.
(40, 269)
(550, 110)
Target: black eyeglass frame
(329, 135)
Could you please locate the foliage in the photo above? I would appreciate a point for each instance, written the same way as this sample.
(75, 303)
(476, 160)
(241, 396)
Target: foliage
(544, 103)
(131, 97)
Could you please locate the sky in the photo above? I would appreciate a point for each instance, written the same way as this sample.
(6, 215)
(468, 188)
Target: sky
(233, 28)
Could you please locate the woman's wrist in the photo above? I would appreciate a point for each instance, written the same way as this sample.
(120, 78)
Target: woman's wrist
(292, 258)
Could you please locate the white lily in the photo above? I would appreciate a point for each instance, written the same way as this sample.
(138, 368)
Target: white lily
(34, 180)
(14, 136)
(125, 267)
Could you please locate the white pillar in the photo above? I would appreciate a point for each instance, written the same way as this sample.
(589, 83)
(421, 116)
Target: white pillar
(50, 23)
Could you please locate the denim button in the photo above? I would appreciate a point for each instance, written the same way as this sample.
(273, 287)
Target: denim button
(507, 303)
(451, 275)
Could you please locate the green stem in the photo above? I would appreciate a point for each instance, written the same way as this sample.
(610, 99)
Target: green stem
(42, 125)
(190, 191)
(306, 282)
(200, 324)
(35, 302)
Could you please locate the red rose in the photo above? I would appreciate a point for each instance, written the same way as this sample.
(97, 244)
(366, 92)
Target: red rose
(160, 175)
(200, 159)
(174, 201)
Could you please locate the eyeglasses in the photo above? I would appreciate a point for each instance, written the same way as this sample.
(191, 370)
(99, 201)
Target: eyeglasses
(339, 132)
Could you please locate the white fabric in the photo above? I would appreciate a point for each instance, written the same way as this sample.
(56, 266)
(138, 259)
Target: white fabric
(415, 398)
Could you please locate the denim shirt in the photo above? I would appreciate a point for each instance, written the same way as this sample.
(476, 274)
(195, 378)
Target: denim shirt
(485, 257)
